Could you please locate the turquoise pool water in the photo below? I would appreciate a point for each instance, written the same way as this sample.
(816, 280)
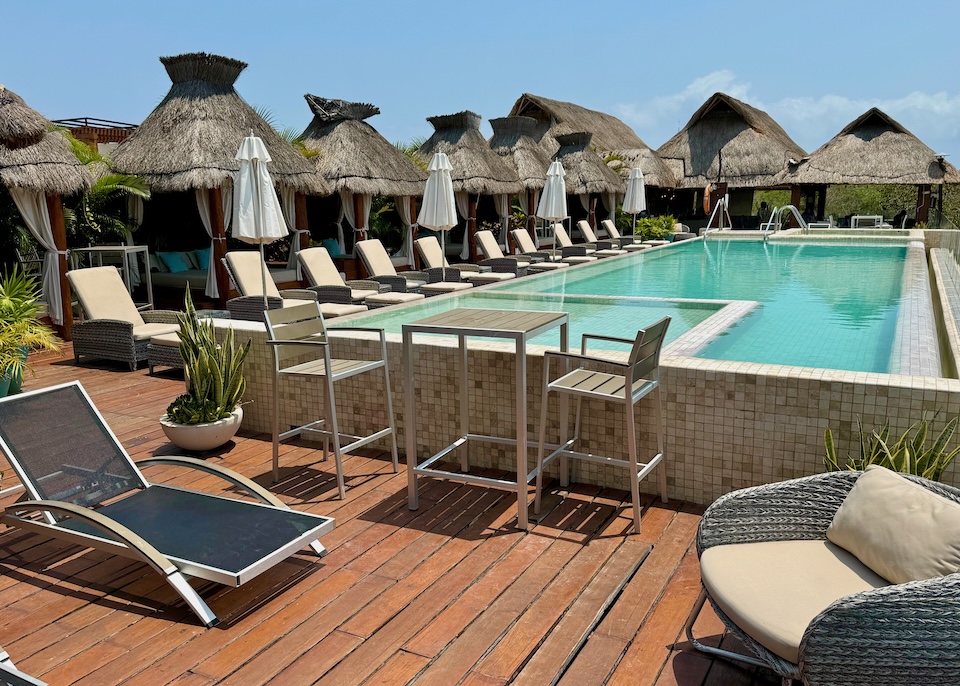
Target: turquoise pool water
(825, 305)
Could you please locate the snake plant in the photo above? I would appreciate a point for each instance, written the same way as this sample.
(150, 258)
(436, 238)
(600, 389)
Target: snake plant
(213, 371)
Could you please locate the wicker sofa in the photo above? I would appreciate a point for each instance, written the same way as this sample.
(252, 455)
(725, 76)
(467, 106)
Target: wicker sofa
(883, 633)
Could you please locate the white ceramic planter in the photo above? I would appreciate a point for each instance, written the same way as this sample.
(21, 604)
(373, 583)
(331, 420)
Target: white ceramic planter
(200, 437)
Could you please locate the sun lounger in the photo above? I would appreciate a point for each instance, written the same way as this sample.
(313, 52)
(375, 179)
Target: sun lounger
(518, 265)
(527, 249)
(432, 255)
(628, 243)
(377, 263)
(573, 254)
(326, 282)
(245, 267)
(603, 248)
(114, 328)
(11, 676)
(87, 491)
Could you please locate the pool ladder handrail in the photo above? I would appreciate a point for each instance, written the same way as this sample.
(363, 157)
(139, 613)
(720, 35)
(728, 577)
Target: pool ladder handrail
(721, 207)
(776, 220)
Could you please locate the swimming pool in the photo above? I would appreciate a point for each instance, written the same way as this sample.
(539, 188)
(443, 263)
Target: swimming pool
(820, 304)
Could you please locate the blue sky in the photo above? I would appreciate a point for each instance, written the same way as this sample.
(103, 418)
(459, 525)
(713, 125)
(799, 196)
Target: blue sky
(813, 65)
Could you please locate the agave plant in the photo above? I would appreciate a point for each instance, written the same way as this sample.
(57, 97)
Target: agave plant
(20, 327)
(213, 371)
(908, 455)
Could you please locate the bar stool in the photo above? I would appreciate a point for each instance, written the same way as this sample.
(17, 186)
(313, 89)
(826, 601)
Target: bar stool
(297, 331)
(641, 373)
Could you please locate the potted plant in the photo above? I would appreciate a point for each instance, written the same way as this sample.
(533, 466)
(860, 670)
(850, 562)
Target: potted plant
(20, 328)
(209, 413)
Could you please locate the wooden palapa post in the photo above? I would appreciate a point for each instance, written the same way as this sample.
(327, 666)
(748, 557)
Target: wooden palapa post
(923, 203)
(59, 228)
(532, 217)
(219, 245)
(300, 221)
(471, 234)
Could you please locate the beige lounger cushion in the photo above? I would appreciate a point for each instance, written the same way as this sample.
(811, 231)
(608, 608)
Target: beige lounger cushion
(248, 269)
(394, 298)
(375, 258)
(897, 528)
(488, 245)
(320, 268)
(445, 287)
(145, 332)
(103, 295)
(773, 590)
(431, 252)
(563, 238)
(169, 340)
(488, 277)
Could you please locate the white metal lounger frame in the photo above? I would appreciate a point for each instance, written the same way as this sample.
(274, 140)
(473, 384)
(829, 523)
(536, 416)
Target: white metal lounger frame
(120, 540)
(11, 676)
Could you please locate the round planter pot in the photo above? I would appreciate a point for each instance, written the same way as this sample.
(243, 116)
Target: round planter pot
(201, 437)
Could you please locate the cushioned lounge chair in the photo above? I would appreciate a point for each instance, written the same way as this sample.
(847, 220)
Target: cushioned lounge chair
(11, 676)
(325, 280)
(794, 571)
(114, 328)
(514, 264)
(82, 487)
(377, 263)
(246, 268)
(628, 243)
(431, 255)
(527, 249)
(603, 248)
(573, 254)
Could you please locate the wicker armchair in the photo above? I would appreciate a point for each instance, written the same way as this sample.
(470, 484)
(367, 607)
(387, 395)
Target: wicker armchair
(896, 634)
(114, 328)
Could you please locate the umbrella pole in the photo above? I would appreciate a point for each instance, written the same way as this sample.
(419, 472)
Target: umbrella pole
(443, 255)
(263, 275)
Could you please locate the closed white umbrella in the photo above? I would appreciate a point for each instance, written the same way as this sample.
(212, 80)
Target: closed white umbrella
(438, 211)
(257, 216)
(635, 201)
(553, 200)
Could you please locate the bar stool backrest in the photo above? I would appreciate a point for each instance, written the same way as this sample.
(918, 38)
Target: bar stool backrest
(298, 323)
(645, 354)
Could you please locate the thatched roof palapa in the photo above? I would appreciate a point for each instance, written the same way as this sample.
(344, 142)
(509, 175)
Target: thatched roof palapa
(585, 171)
(32, 156)
(755, 149)
(513, 139)
(873, 149)
(191, 138)
(476, 168)
(353, 155)
(610, 135)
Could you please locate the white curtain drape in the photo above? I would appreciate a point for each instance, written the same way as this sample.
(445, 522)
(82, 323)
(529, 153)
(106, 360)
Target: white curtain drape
(33, 208)
(203, 207)
(135, 218)
(366, 202)
(404, 205)
(610, 201)
(525, 201)
(463, 208)
(288, 205)
(503, 205)
(585, 201)
(341, 213)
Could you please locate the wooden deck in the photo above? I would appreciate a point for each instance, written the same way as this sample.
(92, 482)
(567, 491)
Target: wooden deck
(449, 594)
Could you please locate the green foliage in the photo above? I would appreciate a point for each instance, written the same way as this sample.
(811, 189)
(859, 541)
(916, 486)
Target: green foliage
(410, 149)
(20, 328)
(908, 455)
(214, 372)
(655, 228)
(384, 222)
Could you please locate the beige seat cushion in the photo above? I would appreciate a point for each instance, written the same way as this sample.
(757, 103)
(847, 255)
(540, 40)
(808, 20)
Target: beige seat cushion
(330, 310)
(547, 266)
(103, 295)
(394, 298)
(488, 245)
(170, 340)
(431, 252)
(488, 277)
(148, 331)
(358, 295)
(773, 590)
(445, 287)
(375, 257)
(898, 528)
(319, 267)
(579, 259)
(248, 270)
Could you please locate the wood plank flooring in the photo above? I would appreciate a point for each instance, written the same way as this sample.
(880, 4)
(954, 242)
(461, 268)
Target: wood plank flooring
(451, 593)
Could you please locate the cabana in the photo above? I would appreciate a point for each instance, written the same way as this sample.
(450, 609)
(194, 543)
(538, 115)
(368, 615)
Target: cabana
(874, 149)
(514, 140)
(728, 142)
(38, 169)
(477, 170)
(587, 176)
(610, 135)
(359, 163)
(189, 143)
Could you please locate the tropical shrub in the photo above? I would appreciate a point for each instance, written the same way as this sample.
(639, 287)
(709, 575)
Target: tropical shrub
(655, 228)
(908, 454)
(20, 328)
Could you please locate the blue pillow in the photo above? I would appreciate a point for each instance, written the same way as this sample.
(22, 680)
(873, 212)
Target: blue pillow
(203, 258)
(332, 246)
(174, 261)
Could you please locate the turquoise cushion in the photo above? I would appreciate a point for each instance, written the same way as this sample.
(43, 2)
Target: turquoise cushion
(332, 246)
(175, 261)
(203, 258)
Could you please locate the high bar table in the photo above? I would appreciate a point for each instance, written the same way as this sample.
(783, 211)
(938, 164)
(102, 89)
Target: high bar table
(516, 325)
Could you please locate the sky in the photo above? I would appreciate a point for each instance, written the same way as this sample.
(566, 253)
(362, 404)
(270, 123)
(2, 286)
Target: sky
(814, 66)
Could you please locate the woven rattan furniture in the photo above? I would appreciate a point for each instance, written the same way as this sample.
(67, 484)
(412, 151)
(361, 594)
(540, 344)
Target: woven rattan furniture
(631, 382)
(895, 634)
(430, 282)
(604, 248)
(250, 275)
(325, 280)
(573, 254)
(527, 249)
(302, 350)
(164, 350)
(113, 328)
(628, 243)
(431, 254)
(82, 487)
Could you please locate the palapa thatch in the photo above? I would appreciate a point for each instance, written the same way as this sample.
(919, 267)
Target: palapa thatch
(873, 149)
(476, 168)
(729, 141)
(353, 155)
(191, 138)
(610, 135)
(43, 162)
(585, 171)
(513, 139)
